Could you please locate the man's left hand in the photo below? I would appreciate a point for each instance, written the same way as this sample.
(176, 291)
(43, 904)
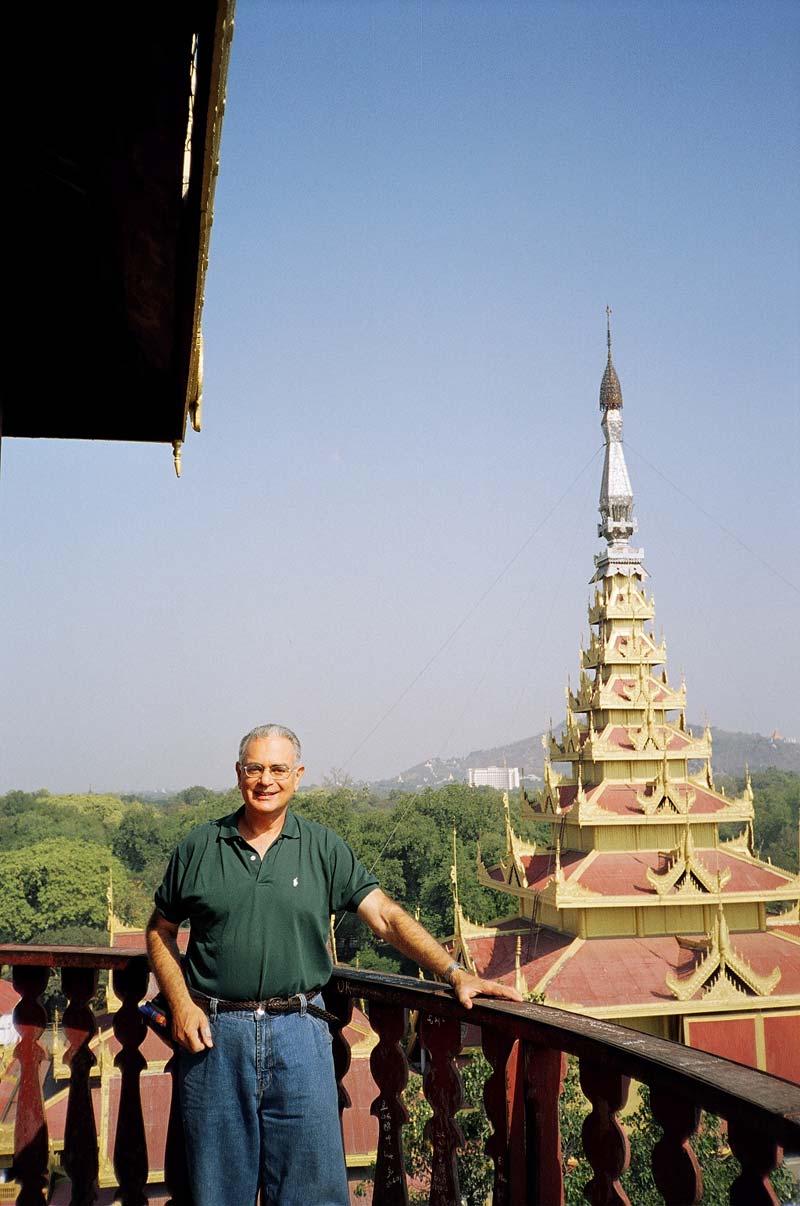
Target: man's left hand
(466, 986)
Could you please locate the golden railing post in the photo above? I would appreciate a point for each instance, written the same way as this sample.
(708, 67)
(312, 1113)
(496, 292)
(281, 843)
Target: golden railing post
(80, 1131)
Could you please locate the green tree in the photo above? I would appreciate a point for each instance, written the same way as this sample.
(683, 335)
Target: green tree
(475, 1170)
(719, 1167)
(57, 883)
(139, 838)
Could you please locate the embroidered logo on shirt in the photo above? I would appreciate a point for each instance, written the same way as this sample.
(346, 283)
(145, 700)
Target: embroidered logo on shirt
(295, 882)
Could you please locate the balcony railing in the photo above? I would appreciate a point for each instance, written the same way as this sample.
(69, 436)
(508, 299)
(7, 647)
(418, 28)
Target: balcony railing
(524, 1045)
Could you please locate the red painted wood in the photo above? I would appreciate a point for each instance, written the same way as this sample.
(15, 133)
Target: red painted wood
(389, 1068)
(604, 1141)
(497, 1047)
(441, 1039)
(30, 1127)
(759, 1156)
(782, 1045)
(675, 1168)
(80, 1132)
(341, 1006)
(544, 1070)
(130, 1145)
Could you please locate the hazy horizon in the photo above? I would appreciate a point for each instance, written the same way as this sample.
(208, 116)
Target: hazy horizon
(384, 534)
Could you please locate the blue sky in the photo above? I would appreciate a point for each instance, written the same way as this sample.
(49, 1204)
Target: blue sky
(422, 212)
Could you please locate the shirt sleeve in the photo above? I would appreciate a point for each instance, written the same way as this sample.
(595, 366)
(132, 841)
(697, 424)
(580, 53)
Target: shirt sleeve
(350, 880)
(168, 897)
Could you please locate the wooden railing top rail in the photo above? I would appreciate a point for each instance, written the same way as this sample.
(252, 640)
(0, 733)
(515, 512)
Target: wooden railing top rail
(67, 956)
(767, 1103)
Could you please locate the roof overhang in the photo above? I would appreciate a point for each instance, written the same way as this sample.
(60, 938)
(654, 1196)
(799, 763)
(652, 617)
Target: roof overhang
(120, 117)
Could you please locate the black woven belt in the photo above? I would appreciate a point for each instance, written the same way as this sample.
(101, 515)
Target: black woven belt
(270, 1005)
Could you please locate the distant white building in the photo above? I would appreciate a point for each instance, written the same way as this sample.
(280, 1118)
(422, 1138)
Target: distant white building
(506, 778)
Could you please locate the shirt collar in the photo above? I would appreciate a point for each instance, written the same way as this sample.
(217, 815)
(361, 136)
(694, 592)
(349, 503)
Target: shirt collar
(229, 826)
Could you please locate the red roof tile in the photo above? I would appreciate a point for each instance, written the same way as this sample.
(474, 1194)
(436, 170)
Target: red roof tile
(624, 873)
(632, 971)
(495, 957)
(620, 798)
(8, 996)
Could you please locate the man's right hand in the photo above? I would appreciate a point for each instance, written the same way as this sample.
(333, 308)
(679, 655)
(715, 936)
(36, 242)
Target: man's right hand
(191, 1029)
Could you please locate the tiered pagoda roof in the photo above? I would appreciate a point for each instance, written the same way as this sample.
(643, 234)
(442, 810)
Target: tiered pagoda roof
(638, 906)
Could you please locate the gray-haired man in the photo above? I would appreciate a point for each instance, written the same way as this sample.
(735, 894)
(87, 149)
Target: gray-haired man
(258, 1092)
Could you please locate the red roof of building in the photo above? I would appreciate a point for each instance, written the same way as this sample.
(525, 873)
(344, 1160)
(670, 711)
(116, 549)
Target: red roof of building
(619, 735)
(8, 996)
(614, 972)
(495, 956)
(626, 688)
(624, 873)
(620, 798)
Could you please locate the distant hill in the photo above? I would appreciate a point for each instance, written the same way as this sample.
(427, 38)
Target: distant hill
(730, 752)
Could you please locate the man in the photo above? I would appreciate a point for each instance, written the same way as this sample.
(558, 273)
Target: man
(258, 1092)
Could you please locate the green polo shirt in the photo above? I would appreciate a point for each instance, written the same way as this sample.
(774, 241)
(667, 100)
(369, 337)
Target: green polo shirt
(259, 927)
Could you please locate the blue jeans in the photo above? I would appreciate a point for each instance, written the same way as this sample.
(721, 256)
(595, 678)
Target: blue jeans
(260, 1110)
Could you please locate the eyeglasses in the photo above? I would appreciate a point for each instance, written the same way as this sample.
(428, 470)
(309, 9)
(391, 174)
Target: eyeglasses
(280, 772)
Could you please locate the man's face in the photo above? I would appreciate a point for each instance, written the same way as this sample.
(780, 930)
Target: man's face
(263, 794)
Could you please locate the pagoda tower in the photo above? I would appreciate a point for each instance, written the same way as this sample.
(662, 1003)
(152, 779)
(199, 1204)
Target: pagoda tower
(639, 908)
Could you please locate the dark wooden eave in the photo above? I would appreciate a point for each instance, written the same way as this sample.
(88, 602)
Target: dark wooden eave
(109, 248)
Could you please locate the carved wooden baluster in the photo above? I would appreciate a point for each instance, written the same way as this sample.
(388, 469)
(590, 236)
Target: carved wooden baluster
(80, 1132)
(30, 1127)
(341, 1006)
(130, 1144)
(176, 1171)
(544, 1072)
(675, 1168)
(497, 1047)
(759, 1156)
(604, 1141)
(389, 1068)
(441, 1038)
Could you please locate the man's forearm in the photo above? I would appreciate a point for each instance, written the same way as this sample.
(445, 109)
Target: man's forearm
(406, 935)
(393, 924)
(189, 1023)
(165, 960)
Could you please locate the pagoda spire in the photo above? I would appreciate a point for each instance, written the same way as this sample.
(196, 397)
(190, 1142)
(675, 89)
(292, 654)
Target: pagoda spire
(617, 523)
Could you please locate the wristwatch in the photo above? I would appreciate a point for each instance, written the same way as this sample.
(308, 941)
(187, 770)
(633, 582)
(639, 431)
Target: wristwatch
(454, 966)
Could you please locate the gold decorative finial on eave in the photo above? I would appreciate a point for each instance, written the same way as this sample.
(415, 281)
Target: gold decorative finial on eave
(559, 870)
(177, 446)
(110, 901)
(520, 983)
(454, 873)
